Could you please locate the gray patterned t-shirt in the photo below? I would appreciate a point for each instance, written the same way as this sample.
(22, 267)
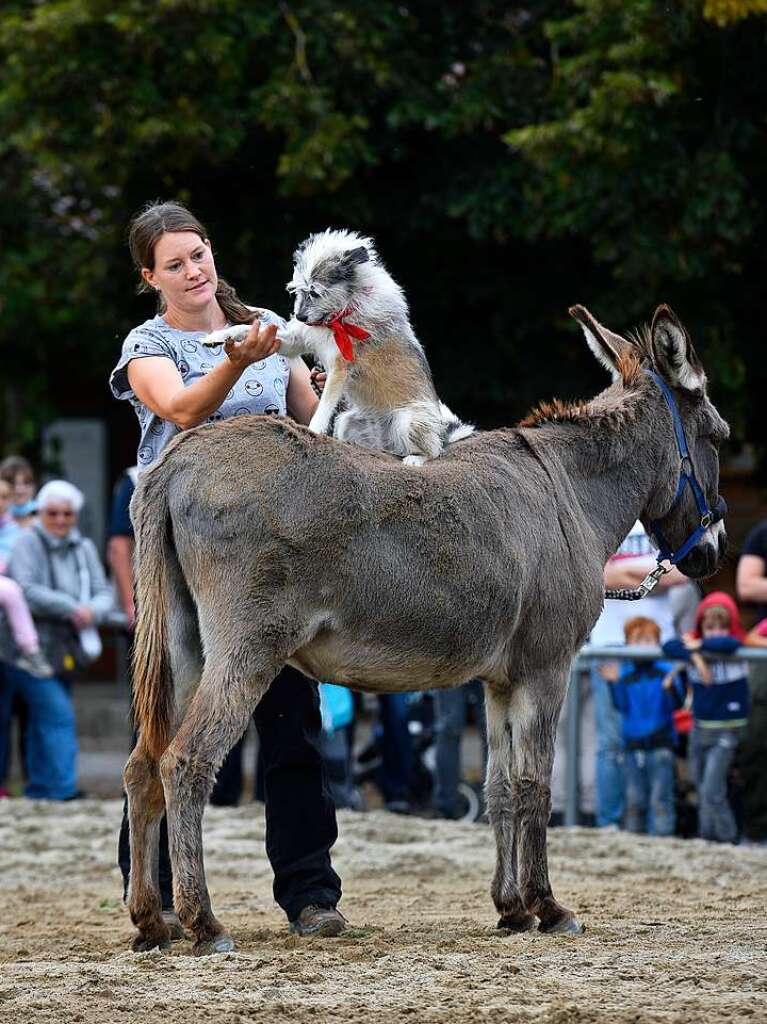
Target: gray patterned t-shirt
(262, 388)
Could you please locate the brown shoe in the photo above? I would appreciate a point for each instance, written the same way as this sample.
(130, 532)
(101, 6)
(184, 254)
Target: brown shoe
(322, 921)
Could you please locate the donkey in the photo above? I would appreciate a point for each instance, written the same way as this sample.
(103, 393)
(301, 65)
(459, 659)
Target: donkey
(486, 562)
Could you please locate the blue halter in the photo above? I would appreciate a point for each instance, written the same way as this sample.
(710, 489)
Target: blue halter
(687, 478)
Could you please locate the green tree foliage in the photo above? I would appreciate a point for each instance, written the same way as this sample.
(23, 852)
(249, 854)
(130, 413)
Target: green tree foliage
(509, 159)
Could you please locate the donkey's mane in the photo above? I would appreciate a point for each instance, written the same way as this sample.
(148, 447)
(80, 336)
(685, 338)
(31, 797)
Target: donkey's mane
(607, 409)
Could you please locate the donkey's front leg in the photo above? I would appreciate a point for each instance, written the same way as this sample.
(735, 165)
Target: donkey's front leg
(216, 718)
(501, 814)
(533, 733)
(331, 396)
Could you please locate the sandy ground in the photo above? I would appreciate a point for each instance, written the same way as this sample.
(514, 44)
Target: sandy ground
(675, 930)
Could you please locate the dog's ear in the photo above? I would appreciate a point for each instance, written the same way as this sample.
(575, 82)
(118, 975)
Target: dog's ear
(356, 256)
(344, 268)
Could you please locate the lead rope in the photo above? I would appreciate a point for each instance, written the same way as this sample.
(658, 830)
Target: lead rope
(648, 584)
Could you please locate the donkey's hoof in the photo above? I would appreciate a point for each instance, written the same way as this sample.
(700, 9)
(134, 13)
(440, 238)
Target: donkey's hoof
(517, 924)
(172, 923)
(143, 943)
(568, 925)
(222, 943)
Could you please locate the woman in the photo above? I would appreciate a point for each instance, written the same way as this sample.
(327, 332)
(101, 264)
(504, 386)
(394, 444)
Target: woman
(174, 383)
(63, 582)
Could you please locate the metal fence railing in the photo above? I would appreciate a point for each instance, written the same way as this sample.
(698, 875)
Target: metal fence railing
(614, 652)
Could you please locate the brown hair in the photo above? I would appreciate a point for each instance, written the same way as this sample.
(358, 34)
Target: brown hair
(643, 623)
(12, 466)
(148, 227)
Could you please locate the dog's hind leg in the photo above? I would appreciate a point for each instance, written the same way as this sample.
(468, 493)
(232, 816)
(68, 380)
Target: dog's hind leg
(419, 429)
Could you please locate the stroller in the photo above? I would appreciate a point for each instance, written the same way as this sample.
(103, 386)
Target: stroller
(368, 762)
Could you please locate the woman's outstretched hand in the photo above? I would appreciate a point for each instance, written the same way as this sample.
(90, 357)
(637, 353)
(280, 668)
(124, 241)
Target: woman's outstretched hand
(259, 343)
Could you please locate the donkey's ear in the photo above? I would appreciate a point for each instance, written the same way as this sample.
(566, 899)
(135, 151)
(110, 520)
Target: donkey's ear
(606, 346)
(675, 358)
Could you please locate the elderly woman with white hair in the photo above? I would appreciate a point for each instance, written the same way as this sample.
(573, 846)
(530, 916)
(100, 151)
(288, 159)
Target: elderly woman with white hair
(61, 576)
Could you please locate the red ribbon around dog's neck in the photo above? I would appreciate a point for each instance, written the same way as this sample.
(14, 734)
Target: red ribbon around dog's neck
(343, 332)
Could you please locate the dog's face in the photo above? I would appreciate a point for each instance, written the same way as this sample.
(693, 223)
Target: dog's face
(327, 274)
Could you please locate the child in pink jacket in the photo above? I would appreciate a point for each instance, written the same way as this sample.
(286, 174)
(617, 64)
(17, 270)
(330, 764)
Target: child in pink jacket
(12, 602)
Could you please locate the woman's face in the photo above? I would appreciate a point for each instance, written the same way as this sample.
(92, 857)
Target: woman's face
(58, 518)
(23, 488)
(6, 497)
(184, 271)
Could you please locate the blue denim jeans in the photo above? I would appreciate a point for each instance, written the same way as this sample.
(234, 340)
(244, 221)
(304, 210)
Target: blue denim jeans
(610, 782)
(51, 736)
(396, 747)
(650, 791)
(710, 754)
(450, 708)
(6, 704)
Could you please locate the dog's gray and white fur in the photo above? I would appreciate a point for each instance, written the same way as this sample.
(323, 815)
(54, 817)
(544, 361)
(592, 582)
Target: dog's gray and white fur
(388, 393)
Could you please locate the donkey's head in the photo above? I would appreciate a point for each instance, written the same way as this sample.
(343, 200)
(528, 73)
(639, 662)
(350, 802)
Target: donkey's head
(684, 511)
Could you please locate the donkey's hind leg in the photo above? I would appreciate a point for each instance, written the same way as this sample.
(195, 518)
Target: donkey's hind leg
(217, 716)
(501, 813)
(534, 727)
(146, 804)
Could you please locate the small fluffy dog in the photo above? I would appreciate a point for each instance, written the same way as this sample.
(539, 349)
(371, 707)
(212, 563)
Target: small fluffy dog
(353, 317)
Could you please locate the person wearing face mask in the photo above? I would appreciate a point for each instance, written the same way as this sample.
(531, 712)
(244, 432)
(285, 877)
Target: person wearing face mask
(174, 383)
(62, 579)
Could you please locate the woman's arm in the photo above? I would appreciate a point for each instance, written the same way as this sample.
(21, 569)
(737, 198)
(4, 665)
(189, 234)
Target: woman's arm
(120, 561)
(102, 600)
(751, 581)
(756, 638)
(302, 400)
(157, 383)
(629, 572)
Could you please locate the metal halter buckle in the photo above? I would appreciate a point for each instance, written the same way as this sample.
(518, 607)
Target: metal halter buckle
(650, 582)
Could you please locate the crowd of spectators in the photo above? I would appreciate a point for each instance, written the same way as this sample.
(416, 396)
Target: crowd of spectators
(685, 731)
(54, 596)
(690, 721)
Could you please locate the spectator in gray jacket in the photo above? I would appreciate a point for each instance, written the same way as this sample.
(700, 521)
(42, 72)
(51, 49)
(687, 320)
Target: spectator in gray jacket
(63, 581)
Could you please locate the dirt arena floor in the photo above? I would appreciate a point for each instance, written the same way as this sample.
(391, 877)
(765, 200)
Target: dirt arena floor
(675, 930)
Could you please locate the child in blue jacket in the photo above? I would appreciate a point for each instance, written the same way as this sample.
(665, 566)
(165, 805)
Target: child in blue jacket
(646, 693)
(720, 704)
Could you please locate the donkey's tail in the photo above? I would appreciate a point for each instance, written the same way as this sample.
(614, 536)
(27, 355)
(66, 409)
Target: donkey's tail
(153, 691)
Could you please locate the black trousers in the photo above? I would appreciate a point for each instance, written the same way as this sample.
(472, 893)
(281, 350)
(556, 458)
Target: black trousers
(300, 815)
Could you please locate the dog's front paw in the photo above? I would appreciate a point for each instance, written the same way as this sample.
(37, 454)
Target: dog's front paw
(217, 338)
(414, 460)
